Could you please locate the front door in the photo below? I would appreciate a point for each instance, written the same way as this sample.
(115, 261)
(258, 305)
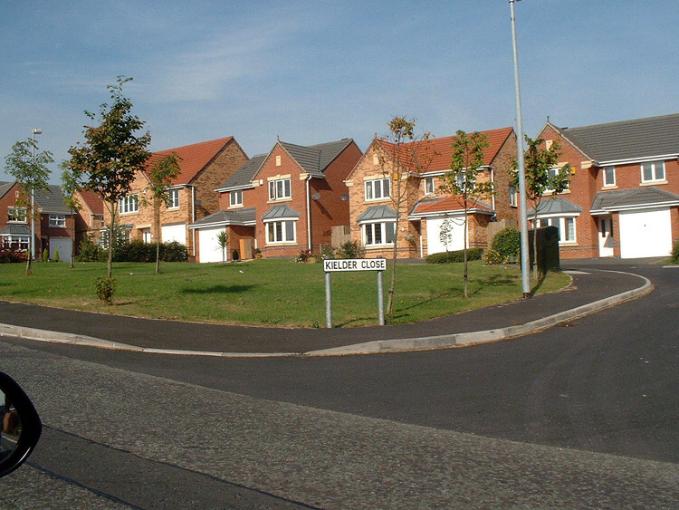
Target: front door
(605, 236)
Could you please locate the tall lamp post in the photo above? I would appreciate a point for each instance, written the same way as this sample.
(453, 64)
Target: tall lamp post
(523, 219)
(36, 132)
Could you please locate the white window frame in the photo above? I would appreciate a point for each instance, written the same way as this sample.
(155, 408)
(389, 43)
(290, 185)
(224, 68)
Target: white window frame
(271, 227)
(277, 189)
(429, 185)
(371, 230)
(513, 197)
(173, 198)
(553, 172)
(236, 198)
(560, 222)
(370, 188)
(12, 213)
(22, 242)
(128, 204)
(655, 166)
(57, 220)
(609, 184)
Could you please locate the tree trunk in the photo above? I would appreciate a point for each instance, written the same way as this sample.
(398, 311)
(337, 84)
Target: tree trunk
(156, 226)
(535, 243)
(464, 253)
(111, 240)
(391, 294)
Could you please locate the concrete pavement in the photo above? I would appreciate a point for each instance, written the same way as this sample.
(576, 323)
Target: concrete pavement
(591, 291)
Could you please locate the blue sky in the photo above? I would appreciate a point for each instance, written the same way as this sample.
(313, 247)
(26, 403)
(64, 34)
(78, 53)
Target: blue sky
(314, 71)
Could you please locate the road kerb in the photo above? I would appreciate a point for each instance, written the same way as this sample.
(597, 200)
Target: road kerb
(426, 343)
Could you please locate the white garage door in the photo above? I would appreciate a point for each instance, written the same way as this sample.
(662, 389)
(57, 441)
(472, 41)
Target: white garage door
(64, 245)
(437, 243)
(172, 233)
(208, 248)
(645, 234)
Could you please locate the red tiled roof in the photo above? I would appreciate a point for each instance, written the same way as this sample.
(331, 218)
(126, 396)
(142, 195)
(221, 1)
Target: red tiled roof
(93, 201)
(436, 153)
(448, 203)
(193, 158)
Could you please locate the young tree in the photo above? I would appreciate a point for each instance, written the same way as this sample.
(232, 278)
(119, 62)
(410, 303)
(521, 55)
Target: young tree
(112, 153)
(223, 242)
(401, 156)
(543, 178)
(465, 167)
(161, 175)
(28, 166)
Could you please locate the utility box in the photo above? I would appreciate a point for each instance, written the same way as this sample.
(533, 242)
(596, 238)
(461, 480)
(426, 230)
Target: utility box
(548, 249)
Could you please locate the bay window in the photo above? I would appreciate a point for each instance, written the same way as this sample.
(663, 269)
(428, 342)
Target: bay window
(566, 226)
(280, 231)
(379, 234)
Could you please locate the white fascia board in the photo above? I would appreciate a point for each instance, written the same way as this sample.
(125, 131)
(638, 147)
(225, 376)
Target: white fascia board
(555, 215)
(284, 218)
(634, 207)
(644, 159)
(446, 214)
(234, 188)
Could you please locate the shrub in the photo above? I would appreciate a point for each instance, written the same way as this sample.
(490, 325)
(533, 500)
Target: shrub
(350, 250)
(454, 256)
(57, 257)
(235, 255)
(139, 251)
(675, 253)
(507, 243)
(257, 253)
(327, 252)
(45, 256)
(105, 289)
(90, 252)
(492, 257)
(9, 255)
(303, 256)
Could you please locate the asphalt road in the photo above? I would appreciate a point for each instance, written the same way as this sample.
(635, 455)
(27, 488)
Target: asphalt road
(420, 430)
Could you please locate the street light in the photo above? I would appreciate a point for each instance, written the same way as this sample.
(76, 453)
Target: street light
(523, 220)
(36, 132)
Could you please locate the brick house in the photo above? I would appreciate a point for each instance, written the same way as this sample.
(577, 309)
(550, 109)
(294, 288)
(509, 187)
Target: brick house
(623, 195)
(54, 225)
(204, 166)
(282, 202)
(89, 220)
(425, 209)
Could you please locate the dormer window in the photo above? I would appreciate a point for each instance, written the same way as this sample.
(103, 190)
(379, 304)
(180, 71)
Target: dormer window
(429, 188)
(235, 198)
(609, 176)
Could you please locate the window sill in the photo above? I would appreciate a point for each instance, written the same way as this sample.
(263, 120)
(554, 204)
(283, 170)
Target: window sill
(14, 222)
(127, 213)
(612, 186)
(283, 243)
(172, 208)
(652, 183)
(378, 246)
(549, 192)
(374, 200)
(237, 206)
(278, 200)
(568, 243)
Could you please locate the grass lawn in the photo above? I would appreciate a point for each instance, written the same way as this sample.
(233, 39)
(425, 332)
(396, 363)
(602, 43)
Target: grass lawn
(264, 292)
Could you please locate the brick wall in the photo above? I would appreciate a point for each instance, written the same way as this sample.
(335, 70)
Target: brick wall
(502, 165)
(330, 210)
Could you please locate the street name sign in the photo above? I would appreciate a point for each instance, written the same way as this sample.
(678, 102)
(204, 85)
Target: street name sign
(340, 265)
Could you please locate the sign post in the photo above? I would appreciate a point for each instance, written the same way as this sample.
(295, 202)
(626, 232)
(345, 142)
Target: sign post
(351, 265)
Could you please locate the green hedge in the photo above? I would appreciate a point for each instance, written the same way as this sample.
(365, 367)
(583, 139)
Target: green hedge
(139, 251)
(507, 244)
(675, 253)
(454, 256)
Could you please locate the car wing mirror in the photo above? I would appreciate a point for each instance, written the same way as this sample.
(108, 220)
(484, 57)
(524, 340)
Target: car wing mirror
(20, 425)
